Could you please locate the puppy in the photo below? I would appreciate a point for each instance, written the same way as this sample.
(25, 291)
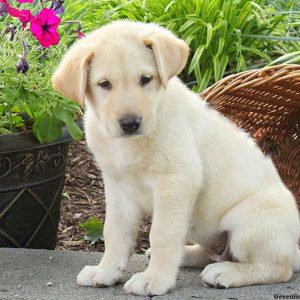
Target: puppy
(163, 151)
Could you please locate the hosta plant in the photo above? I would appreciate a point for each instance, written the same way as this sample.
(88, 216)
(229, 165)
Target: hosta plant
(30, 45)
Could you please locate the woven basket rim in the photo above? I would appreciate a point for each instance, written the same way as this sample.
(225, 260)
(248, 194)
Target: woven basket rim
(253, 78)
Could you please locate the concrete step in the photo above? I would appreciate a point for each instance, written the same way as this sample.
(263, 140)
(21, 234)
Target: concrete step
(41, 274)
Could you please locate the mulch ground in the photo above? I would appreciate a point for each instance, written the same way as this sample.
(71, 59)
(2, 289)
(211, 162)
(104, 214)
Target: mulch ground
(83, 199)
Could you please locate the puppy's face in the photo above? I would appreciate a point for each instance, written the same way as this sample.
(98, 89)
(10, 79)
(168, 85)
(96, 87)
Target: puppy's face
(122, 70)
(124, 87)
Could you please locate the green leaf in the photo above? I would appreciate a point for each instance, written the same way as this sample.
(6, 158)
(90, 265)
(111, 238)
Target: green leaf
(196, 58)
(93, 230)
(169, 5)
(220, 46)
(17, 120)
(272, 37)
(198, 74)
(241, 64)
(66, 195)
(188, 24)
(205, 80)
(4, 131)
(208, 34)
(286, 58)
(257, 52)
(47, 128)
(67, 117)
(220, 65)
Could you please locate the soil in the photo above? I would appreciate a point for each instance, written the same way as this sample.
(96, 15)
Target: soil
(83, 199)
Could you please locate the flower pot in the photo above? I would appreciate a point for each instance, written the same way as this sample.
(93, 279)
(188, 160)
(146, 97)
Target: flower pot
(31, 184)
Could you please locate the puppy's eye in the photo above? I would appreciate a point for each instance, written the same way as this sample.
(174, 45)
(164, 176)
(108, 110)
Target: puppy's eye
(105, 84)
(145, 80)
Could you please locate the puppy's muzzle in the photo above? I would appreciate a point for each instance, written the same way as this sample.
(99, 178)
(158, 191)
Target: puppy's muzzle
(130, 124)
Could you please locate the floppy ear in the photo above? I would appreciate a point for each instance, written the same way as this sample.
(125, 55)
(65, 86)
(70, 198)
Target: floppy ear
(70, 78)
(170, 52)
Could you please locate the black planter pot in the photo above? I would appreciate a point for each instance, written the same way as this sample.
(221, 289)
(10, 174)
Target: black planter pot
(31, 184)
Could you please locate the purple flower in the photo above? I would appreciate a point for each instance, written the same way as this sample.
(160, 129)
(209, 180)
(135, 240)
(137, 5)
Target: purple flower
(22, 66)
(57, 6)
(3, 9)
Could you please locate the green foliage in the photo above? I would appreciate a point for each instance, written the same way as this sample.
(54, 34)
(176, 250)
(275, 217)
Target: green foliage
(28, 101)
(224, 36)
(93, 230)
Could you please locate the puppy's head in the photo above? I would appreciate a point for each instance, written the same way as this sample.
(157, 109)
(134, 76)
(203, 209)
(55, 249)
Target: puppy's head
(121, 71)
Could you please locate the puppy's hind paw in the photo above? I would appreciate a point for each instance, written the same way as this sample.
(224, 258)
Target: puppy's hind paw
(221, 275)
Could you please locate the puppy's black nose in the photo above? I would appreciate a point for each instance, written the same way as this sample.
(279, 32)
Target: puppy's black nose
(130, 123)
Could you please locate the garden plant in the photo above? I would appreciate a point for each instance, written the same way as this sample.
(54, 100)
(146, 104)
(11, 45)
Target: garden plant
(33, 140)
(28, 51)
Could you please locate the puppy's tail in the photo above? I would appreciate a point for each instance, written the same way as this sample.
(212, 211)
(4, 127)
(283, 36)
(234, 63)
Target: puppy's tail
(296, 262)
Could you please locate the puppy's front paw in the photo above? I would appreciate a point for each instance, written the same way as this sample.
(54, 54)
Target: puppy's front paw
(98, 276)
(145, 283)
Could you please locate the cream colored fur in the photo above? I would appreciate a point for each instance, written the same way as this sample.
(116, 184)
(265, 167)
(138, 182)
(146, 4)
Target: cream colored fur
(190, 167)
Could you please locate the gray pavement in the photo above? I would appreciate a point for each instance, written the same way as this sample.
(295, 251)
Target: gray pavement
(24, 274)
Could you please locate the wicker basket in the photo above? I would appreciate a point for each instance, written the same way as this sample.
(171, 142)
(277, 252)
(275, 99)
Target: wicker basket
(266, 103)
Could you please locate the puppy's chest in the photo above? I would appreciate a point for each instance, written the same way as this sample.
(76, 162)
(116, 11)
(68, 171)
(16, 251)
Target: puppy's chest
(130, 168)
(123, 160)
(124, 166)
(139, 191)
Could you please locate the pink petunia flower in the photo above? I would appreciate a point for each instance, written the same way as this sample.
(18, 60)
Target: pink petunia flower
(25, 1)
(24, 15)
(44, 27)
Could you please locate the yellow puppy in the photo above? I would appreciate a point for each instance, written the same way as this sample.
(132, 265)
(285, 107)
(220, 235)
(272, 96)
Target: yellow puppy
(163, 151)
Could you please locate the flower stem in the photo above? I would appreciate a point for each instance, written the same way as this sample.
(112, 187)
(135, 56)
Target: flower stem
(10, 118)
(25, 49)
